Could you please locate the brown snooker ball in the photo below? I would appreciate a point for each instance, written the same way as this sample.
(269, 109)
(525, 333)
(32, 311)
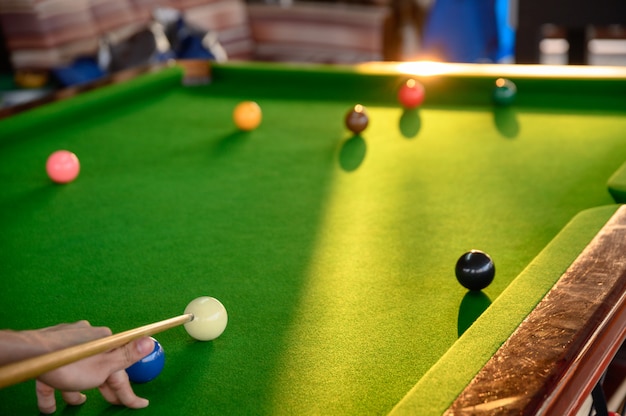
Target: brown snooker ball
(357, 119)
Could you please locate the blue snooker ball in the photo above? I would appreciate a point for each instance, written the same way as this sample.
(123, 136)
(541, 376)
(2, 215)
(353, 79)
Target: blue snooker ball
(149, 366)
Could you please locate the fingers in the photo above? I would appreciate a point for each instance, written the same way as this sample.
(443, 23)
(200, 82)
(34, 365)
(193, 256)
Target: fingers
(94, 371)
(67, 325)
(73, 398)
(129, 354)
(45, 398)
(65, 335)
(104, 370)
(82, 331)
(117, 390)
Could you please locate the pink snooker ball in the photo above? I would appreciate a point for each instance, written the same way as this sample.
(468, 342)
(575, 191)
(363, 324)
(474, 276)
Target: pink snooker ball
(62, 166)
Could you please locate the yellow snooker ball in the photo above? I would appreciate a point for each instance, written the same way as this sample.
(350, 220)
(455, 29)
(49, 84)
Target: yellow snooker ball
(247, 115)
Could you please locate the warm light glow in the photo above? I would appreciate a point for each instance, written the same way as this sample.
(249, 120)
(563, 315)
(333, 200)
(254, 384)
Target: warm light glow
(410, 83)
(430, 68)
(500, 82)
(422, 68)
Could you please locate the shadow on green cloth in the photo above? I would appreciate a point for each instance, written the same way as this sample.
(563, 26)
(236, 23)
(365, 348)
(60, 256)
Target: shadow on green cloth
(474, 303)
(505, 119)
(352, 153)
(229, 143)
(410, 123)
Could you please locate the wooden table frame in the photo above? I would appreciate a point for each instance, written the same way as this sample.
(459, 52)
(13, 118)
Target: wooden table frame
(576, 330)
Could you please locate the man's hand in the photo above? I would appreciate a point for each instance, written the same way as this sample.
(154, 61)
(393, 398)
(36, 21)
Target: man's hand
(105, 370)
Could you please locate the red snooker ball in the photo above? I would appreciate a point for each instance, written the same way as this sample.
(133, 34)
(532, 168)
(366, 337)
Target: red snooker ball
(411, 94)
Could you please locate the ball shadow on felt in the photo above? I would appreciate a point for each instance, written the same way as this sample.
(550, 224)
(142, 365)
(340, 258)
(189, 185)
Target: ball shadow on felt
(474, 303)
(410, 123)
(230, 143)
(505, 120)
(352, 153)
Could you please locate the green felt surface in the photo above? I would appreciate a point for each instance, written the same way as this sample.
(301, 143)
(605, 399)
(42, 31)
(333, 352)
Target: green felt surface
(334, 255)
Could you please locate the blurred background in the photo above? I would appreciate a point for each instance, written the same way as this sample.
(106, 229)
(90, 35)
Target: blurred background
(51, 44)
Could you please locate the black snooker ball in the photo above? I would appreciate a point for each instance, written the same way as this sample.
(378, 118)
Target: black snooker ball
(475, 270)
(357, 119)
(504, 92)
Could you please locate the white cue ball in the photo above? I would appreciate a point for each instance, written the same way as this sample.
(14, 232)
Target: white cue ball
(209, 318)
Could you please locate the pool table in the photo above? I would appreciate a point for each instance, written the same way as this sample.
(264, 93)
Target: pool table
(333, 253)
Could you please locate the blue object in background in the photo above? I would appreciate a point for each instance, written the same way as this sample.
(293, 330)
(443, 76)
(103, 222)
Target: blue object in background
(506, 31)
(148, 367)
(187, 42)
(468, 31)
(80, 71)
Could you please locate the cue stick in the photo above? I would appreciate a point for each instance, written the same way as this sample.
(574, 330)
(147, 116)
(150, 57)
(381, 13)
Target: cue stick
(32, 367)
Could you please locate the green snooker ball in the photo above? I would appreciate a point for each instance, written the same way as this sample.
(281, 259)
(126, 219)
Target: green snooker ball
(504, 92)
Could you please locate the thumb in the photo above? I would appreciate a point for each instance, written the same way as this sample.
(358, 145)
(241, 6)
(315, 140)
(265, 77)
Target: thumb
(130, 353)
